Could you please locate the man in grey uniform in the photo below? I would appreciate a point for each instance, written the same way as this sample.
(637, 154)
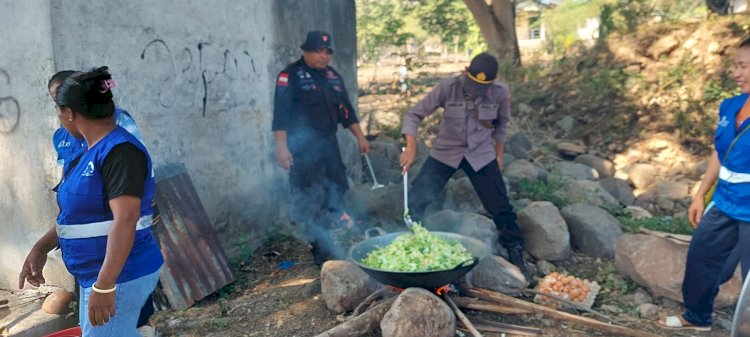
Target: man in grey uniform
(471, 137)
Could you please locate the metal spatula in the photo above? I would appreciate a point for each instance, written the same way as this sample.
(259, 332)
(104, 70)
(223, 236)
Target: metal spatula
(375, 184)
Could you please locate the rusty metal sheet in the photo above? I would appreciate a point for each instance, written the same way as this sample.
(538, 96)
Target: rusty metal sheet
(195, 264)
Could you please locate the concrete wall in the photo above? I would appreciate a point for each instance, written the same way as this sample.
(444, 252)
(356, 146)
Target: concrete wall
(198, 77)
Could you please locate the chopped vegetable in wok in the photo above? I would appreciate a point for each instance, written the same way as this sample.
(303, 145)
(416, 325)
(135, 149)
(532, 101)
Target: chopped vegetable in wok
(418, 251)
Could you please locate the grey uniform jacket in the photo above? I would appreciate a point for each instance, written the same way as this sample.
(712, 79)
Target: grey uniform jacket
(464, 133)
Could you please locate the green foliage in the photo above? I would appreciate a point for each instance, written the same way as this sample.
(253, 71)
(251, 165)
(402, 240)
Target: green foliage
(543, 190)
(447, 19)
(381, 23)
(666, 224)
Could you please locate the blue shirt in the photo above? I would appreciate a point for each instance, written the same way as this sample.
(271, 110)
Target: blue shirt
(85, 218)
(732, 193)
(68, 146)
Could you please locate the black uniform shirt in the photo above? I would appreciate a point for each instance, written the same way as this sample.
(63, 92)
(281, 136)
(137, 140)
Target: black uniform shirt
(309, 103)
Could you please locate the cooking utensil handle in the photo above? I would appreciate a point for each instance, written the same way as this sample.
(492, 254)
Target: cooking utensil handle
(369, 166)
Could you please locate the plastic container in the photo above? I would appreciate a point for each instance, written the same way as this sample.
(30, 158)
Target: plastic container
(72, 332)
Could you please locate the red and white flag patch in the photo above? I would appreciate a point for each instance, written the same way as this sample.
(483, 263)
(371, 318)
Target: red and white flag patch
(283, 80)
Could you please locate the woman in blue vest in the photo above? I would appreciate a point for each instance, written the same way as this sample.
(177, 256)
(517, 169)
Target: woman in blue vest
(105, 199)
(722, 232)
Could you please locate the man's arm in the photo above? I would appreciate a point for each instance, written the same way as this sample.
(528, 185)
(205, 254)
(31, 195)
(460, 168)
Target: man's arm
(349, 120)
(413, 118)
(282, 112)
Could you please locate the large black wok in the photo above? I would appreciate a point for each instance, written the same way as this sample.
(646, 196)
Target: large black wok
(428, 280)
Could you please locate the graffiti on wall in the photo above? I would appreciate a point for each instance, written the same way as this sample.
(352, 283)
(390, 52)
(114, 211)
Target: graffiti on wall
(10, 110)
(216, 77)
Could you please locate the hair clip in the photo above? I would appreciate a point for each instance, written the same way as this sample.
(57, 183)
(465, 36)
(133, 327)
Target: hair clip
(107, 85)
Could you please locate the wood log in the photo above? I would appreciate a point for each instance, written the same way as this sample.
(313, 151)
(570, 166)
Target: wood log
(572, 305)
(477, 304)
(461, 317)
(362, 324)
(536, 308)
(491, 326)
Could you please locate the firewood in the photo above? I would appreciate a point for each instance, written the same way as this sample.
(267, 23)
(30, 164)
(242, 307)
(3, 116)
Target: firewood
(362, 324)
(572, 305)
(536, 308)
(380, 292)
(491, 326)
(461, 317)
(477, 304)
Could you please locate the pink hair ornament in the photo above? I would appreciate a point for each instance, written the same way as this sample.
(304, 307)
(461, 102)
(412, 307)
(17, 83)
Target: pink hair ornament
(107, 85)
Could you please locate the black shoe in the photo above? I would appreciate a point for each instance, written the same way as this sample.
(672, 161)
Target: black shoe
(515, 256)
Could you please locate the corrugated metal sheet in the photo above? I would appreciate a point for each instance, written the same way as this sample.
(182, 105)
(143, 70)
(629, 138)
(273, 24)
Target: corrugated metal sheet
(195, 265)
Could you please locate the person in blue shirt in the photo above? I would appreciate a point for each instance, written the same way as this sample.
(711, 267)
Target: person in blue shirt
(722, 229)
(105, 199)
(67, 146)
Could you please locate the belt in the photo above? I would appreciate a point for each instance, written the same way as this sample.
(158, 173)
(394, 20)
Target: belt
(96, 229)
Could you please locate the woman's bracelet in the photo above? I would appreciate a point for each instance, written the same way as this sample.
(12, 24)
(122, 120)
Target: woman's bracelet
(103, 291)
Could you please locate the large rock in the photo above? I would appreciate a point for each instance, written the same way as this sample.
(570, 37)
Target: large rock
(659, 265)
(604, 167)
(672, 190)
(620, 189)
(587, 192)
(383, 204)
(519, 146)
(474, 225)
(344, 285)
(461, 196)
(663, 46)
(571, 150)
(58, 303)
(574, 171)
(593, 230)
(418, 313)
(637, 213)
(545, 234)
(384, 156)
(519, 170)
(642, 175)
(497, 274)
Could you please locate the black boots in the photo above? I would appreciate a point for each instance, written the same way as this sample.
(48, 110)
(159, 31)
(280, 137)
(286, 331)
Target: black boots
(515, 256)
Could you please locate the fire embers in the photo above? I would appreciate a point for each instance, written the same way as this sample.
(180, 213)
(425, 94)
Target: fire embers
(578, 291)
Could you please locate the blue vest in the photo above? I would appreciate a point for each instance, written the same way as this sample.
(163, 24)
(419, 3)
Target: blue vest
(67, 146)
(85, 218)
(733, 189)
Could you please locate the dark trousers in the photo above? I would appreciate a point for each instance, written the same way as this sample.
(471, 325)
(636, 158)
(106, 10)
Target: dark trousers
(489, 185)
(718, 244)
(318, 183)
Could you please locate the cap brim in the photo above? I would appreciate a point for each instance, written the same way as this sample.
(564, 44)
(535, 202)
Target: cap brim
(307, 48)
(473, 87)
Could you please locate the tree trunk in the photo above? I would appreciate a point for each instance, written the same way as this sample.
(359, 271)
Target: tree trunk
(497, 22)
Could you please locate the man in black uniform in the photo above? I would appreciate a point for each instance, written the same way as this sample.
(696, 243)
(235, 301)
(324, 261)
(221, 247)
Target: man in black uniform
(309, 103)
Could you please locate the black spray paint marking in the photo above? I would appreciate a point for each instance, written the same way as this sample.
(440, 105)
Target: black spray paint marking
(203, 77)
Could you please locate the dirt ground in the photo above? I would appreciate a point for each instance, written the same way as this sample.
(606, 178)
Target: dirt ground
(272, 298)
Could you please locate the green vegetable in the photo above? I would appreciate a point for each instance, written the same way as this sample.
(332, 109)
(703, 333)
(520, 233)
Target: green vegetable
(418, 251)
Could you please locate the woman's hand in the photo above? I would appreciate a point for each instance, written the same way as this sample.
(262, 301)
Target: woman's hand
(32, 268)
(101, 307)
(695, 211)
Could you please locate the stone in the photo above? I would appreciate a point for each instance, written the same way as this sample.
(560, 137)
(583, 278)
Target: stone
(58, 302)
(593, 231)
(604, 167)
(344, 285)
(642, 175)
(544, 231)
(672, 190)
(587, 192)
(724, 323)
(665, 204)
(659, 265)
(648, 310)
(497, 274)
(311, 289)
(574, 171)
(641, 296)
(663, 46)
(519, 170)
(418, 313)
(571, 149)
(566, 124)
(384, 204)
(618, 188)
(519, 146)
(545, 268)
(670, 303)
(473, 225)
(461, 196)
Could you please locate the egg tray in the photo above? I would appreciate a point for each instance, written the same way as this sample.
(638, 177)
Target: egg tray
(587, 303)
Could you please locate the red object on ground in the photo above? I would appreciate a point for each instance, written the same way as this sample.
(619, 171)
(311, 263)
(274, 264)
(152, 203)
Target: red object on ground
(72, 332)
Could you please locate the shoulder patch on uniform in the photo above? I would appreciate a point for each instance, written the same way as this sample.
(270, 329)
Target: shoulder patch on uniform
(283, 80)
